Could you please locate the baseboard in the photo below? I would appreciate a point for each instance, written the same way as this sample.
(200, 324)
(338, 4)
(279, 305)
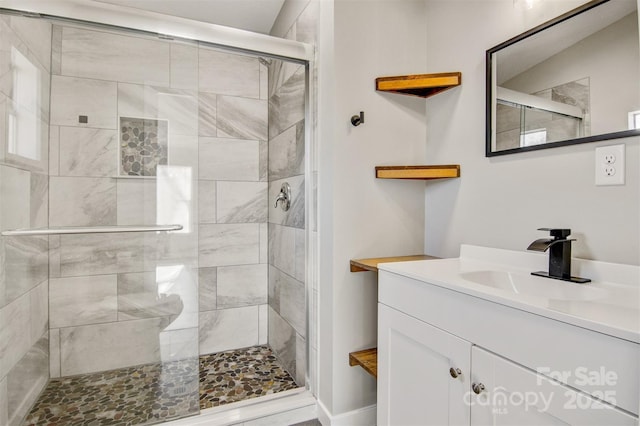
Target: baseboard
(365, 416)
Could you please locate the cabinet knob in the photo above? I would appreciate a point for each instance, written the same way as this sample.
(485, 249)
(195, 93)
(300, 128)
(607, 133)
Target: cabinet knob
(455, 372)
(477, 388)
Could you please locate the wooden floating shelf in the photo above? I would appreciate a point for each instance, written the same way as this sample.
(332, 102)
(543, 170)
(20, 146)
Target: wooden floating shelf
(371, 264)
(418, 172)
(422, 85)
(367, 359)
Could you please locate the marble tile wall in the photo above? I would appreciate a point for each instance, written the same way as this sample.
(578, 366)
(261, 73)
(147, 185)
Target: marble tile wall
(108, 56)
(27, 379)
(307, 31)
(77, 301)
(287, 273)
(293, 235)
(229, 74)
(224, 328)
(24, 288)
(232, 200)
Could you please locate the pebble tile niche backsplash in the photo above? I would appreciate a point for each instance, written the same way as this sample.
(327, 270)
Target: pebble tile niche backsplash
(143, 146)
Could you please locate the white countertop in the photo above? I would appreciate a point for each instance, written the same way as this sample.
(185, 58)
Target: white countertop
(610, 304)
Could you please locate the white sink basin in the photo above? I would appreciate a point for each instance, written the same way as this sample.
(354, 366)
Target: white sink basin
(529, 285)
(609, 304)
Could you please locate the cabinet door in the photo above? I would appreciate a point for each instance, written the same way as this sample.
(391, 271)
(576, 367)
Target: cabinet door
(415, 385)
(514, 395)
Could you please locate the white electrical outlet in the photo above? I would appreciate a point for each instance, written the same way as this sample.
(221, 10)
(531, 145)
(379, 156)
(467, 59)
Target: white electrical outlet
(610, 165)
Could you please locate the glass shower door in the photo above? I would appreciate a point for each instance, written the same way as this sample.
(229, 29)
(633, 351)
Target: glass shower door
(139, 131)
(123, 306)
(24, 261)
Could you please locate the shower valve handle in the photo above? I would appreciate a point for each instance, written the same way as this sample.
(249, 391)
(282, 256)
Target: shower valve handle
(284, 196)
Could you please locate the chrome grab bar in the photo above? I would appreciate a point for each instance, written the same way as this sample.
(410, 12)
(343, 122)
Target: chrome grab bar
(67, 230)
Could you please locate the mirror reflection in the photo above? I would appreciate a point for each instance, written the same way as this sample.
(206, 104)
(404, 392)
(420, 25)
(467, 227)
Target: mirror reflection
(571, 80)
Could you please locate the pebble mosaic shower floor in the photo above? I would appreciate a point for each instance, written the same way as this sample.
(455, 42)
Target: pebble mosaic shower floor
(150, 393)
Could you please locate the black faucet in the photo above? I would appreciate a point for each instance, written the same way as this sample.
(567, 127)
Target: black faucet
(559, 247)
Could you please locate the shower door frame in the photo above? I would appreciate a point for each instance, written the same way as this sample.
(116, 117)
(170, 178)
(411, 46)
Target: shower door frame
(233, 39)
(164, 25)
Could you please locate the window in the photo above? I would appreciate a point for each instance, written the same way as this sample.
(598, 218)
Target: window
(533, 137)
(634, 120)
(24, 123)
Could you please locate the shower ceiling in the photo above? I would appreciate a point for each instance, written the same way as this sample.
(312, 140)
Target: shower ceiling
(251, 15)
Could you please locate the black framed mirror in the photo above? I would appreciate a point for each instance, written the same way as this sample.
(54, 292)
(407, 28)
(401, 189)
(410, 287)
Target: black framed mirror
(574, 79)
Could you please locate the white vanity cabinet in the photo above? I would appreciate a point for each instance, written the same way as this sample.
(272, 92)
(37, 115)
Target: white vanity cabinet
(503, 359)
(510, 395)
(416, 385)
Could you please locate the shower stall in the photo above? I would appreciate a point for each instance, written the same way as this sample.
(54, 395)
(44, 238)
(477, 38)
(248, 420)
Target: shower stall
(145, 273)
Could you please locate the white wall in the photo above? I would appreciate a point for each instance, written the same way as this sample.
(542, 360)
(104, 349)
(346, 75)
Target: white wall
(501, 201)
(361, 216)
(288, 14)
